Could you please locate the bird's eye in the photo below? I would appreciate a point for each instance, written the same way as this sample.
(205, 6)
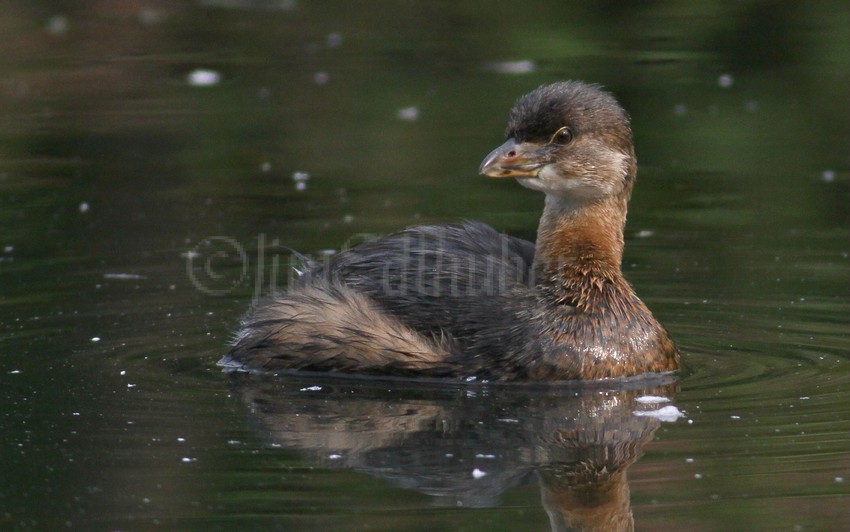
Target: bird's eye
(562, 136)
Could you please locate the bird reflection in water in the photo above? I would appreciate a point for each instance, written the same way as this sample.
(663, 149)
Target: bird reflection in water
(465, 445)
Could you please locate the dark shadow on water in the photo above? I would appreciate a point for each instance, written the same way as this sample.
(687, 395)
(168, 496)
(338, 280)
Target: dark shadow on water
(466, 445)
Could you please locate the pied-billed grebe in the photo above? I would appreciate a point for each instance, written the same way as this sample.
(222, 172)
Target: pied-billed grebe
(463, 300)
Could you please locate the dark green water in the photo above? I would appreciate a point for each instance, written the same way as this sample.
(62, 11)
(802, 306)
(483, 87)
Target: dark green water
(145, 212)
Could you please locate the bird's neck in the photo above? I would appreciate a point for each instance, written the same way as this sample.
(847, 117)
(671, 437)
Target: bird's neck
(580, 245)
(596, 326)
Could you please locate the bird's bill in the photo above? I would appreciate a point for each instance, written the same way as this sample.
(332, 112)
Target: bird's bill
(513, 160)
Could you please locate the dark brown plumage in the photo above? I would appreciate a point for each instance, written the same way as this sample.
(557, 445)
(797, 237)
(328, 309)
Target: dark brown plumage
(462, 300)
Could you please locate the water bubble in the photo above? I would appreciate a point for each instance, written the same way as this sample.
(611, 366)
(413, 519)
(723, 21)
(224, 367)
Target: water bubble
(408, 114)
(725, 81)
(149, 16)
(57, 25)
(333, 40)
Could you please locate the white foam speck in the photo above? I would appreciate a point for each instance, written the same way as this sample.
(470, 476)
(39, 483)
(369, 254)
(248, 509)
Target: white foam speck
(95, 339)
(335, 456)
(477, 473)
(123, 276)
(524, 66)
(667, 413)
(84, 207)
(649, 399)
(203, 77)
(311, 389)
(486, 456)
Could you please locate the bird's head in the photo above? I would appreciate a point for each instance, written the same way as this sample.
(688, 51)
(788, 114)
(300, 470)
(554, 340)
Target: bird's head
(569, 139)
